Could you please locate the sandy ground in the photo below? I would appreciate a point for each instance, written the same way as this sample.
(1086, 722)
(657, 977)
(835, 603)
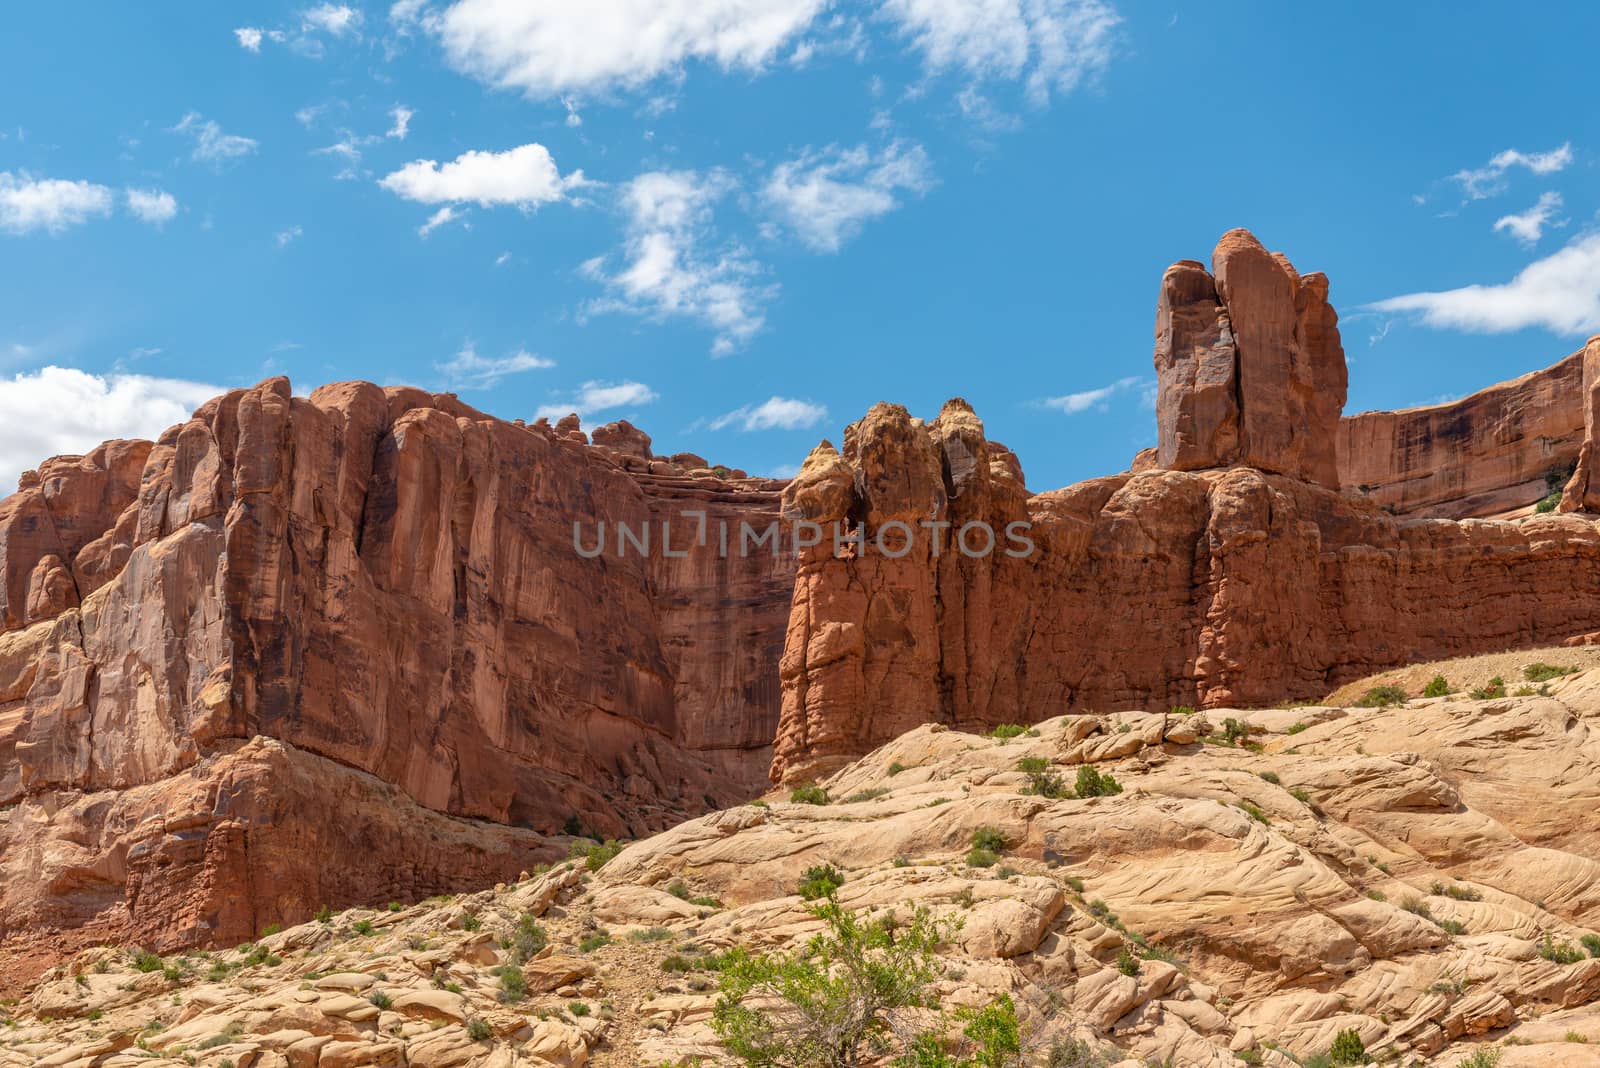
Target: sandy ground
(1466, 672)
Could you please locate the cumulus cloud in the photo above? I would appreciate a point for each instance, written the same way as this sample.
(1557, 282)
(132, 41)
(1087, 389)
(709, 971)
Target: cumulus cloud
(30, 204)
(468, 370)
(1097, 399)
(285, 236)
(576, 46)
(1560, 292)
(336, 20)
(62, 410)
(153, 206)
(1480, 183)
(1051, 45)
(594, 397)
(210, 143)
(249, 38)
(667, 270)
(1528, 226)
(525, 176)
(827, 196)
(775, 413)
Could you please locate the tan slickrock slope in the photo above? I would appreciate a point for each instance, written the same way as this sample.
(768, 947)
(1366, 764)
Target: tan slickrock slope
(1394, 871)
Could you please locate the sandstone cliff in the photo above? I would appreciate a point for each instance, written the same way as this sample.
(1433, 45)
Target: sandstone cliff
(384, 582)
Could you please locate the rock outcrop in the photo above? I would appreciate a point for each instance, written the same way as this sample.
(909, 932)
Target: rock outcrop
(1497, 452)
(1582, 491)
(1249, 365)
(390, 584)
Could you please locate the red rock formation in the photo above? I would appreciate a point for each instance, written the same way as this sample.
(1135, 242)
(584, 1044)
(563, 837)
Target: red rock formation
(1497, 451)
(386, 581)
(1250, 367)
(1582, 492)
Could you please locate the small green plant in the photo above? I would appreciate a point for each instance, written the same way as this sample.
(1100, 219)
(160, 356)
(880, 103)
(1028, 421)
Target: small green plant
(394, 906)
(1272, 777)
(1254, 812)
(650, 934)
(380, 999)
(1576, 1036)
(1296, 728)
(1181, 710)
(1559, 952)
(896, 768)
(362, 927)
(1383, 697)
(479, 1030)
(1549, 503)
(579, 1008)
(1093, 783)
(1452, 927)
(271, 929)
(1234, 730)
(1377, 895)
(866, 795)
(1438, 686)
(527, 940)
(1542, 672)
(600, 855)
(513, 984)
(982, 858)
(324, 915)
(990, 839)
(1417, 907)
(1482, 1057)
(1348, 1048)
(1007, 731)
(1300, 795)
(469, 922)
(590, 943)
(1495, 687)
(809, 794)
(1457, 891)
(146, 962)
(1042, 781)
(819, 881)
(1127, 963)
(1075, 883)
(1591, 942)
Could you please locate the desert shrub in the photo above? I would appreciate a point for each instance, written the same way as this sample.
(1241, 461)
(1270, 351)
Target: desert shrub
(324, 915)
(989, 838)
(854, 994)
(1549, 503)
(1041, 779)
(143, 961)
(1348, 1048)
(600, 855)
(362, 927)
(469, 922)
(1483, 1057)
(1073, 1053)
(809, 794)
(513, 984)
(1458, 891)
(1438, 686)
(982, 858)
(1383, 697)
(1300, 795)
(1008, 730)
(896, 768)
(1234, 730)
(479, 1030)
(1559, 952)
(527, 940)
(1127, 963)
(1591, 942)
(820, 880)
(1181, 710)
(866, 795)
(590, 943)
(1254, 812)
(579, 1008)
(1377, 895)
(1418, 907)
(1272, 777)
(1495, 687)
(1296, 728)
(1542, 672)
(1093, 783)
(650, 934)
(380, 999)
(1075, 883)
(394, 906)
(1452, 927)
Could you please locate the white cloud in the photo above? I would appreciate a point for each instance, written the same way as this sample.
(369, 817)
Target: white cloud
(444, 216)
(595, 397)
(1074, 403)
(1560, 293)
(84, 409)
(525, 176)
(1486, 181)
(577, 46)
(666, 272)
(401, 125)
(1052, 45)
(153, 206)
(1529, 226)
(775, 413)
(49, 204)
(502, 259)
(210, 143)
(467, 370)
(347, 151)
(336, 20)
(283, 237)
(827, 196)
(249, 38)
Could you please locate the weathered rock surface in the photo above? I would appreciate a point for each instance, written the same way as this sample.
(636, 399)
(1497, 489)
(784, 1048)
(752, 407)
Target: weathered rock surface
(1424, 875)
(1582, 492)
(387, 580)
(1499, 450)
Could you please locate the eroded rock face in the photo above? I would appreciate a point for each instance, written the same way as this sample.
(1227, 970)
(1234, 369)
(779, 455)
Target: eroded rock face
(1498, 451)
(387, 580)
(1582, 491)
(1249, 364)
(1166, 588)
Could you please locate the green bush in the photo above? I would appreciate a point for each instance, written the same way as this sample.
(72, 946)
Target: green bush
(820, 880)
(479, 1030)
(1127, 963)
(866, 795)
(1452, 927)
(1496, 687)
(1559, 952)
(1438, 686)
(1591, 942)
(147, 962)
(380, 999)
(600, 855)
(1383, 697)
(1234, 730)
(362, 927)
(527, 940)
(1482, 1057)
(513, 984)
(989, 839)
(578, 1008)
(896, 768)
(1272, 777)
(1008, 730)
(809, 794)
(1042, 781)
(1348, 1048)
(982, 858)
(1542, 672)
(1549, 503)
(324, 915)
(590, 943)
(1092, 783)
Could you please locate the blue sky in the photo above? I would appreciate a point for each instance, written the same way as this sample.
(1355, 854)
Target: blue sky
(739, 223)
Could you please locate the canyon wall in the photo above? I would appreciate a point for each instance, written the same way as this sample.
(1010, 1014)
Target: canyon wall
(1499, 450)
(385, 584)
